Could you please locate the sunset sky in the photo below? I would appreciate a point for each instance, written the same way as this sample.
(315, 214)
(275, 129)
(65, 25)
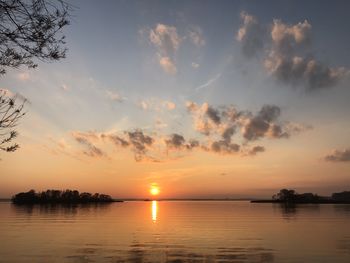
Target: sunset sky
(204, 99)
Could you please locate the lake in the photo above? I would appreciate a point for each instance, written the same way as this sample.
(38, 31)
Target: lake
(175, 231)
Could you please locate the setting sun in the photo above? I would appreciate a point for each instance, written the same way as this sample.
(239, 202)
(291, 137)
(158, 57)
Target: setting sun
(154, 190)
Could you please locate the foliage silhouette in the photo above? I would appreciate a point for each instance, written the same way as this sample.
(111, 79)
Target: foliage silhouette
(58, 196)
(342, 196)
(29, 30)
(290, 196)
(10, 113)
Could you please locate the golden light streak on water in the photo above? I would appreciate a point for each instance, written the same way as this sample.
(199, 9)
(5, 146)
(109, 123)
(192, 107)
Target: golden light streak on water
(154, 210)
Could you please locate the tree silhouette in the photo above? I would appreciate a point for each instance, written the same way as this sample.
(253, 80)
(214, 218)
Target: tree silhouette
(29, 30)
(10, 113)
(291, 196)
(285, 195)
(58, 196)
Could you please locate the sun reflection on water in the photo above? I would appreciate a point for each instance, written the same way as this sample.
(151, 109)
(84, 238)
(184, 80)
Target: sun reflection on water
(154, 210)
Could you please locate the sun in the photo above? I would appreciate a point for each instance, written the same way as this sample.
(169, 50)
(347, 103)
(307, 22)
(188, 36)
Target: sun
(154, 190)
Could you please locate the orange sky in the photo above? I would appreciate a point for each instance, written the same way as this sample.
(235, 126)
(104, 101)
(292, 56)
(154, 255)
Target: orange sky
(240, 105)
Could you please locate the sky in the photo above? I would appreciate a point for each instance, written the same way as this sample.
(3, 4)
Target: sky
(204, 99)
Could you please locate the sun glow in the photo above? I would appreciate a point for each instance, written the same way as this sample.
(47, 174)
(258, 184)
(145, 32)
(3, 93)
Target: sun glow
(154, 190)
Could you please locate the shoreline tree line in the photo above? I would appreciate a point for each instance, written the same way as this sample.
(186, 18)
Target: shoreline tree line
(290, 196)
(59, 196)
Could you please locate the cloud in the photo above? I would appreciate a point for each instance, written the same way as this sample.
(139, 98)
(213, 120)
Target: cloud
(169, 105)
(159, 124)
(136, 140)
(223, 130)
(86, 139)
(226, 130)
(263, 124)
(144, 105)
(168, 65)
(63, 144)
(256, 149)
(165, 38)
(283, 48)
(213, 114)
(167, 41)
(196, 36)
(90, 135)
(250, 34)
(191, 106)
(224, 147)
(338, 156)
(195, 65)
(295, 128)
(118, 141)
(24, 76)
(202, 122)
(221, 124)
(65, 87)
(114, 96)
(177, 141)
(288, 37)
(297, 70)
(140, 143)
(156, 104)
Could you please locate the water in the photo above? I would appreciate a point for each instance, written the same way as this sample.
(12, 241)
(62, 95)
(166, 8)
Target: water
(169, 231)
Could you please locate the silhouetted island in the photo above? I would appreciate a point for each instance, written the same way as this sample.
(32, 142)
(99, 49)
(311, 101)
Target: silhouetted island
(289, 196)
(58, 196)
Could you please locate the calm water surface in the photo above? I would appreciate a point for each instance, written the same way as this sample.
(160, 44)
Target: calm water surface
(169, 231)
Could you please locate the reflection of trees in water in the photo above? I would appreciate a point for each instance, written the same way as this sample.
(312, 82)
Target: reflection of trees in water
(60, 209)
(291, 210)
(342, 208)
(344, 211)
(288, 210)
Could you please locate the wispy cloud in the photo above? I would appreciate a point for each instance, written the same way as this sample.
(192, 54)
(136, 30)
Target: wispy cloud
(168, 65)
(195, 65)
(23, 76)
(209, 82)
(115, 96)
(86, 139)
(167, 41)
(65, 87)
(156, 104)
(195, 34)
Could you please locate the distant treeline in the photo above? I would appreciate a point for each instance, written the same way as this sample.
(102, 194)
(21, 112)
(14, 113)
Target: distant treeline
(291, 196)
(58, 196)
